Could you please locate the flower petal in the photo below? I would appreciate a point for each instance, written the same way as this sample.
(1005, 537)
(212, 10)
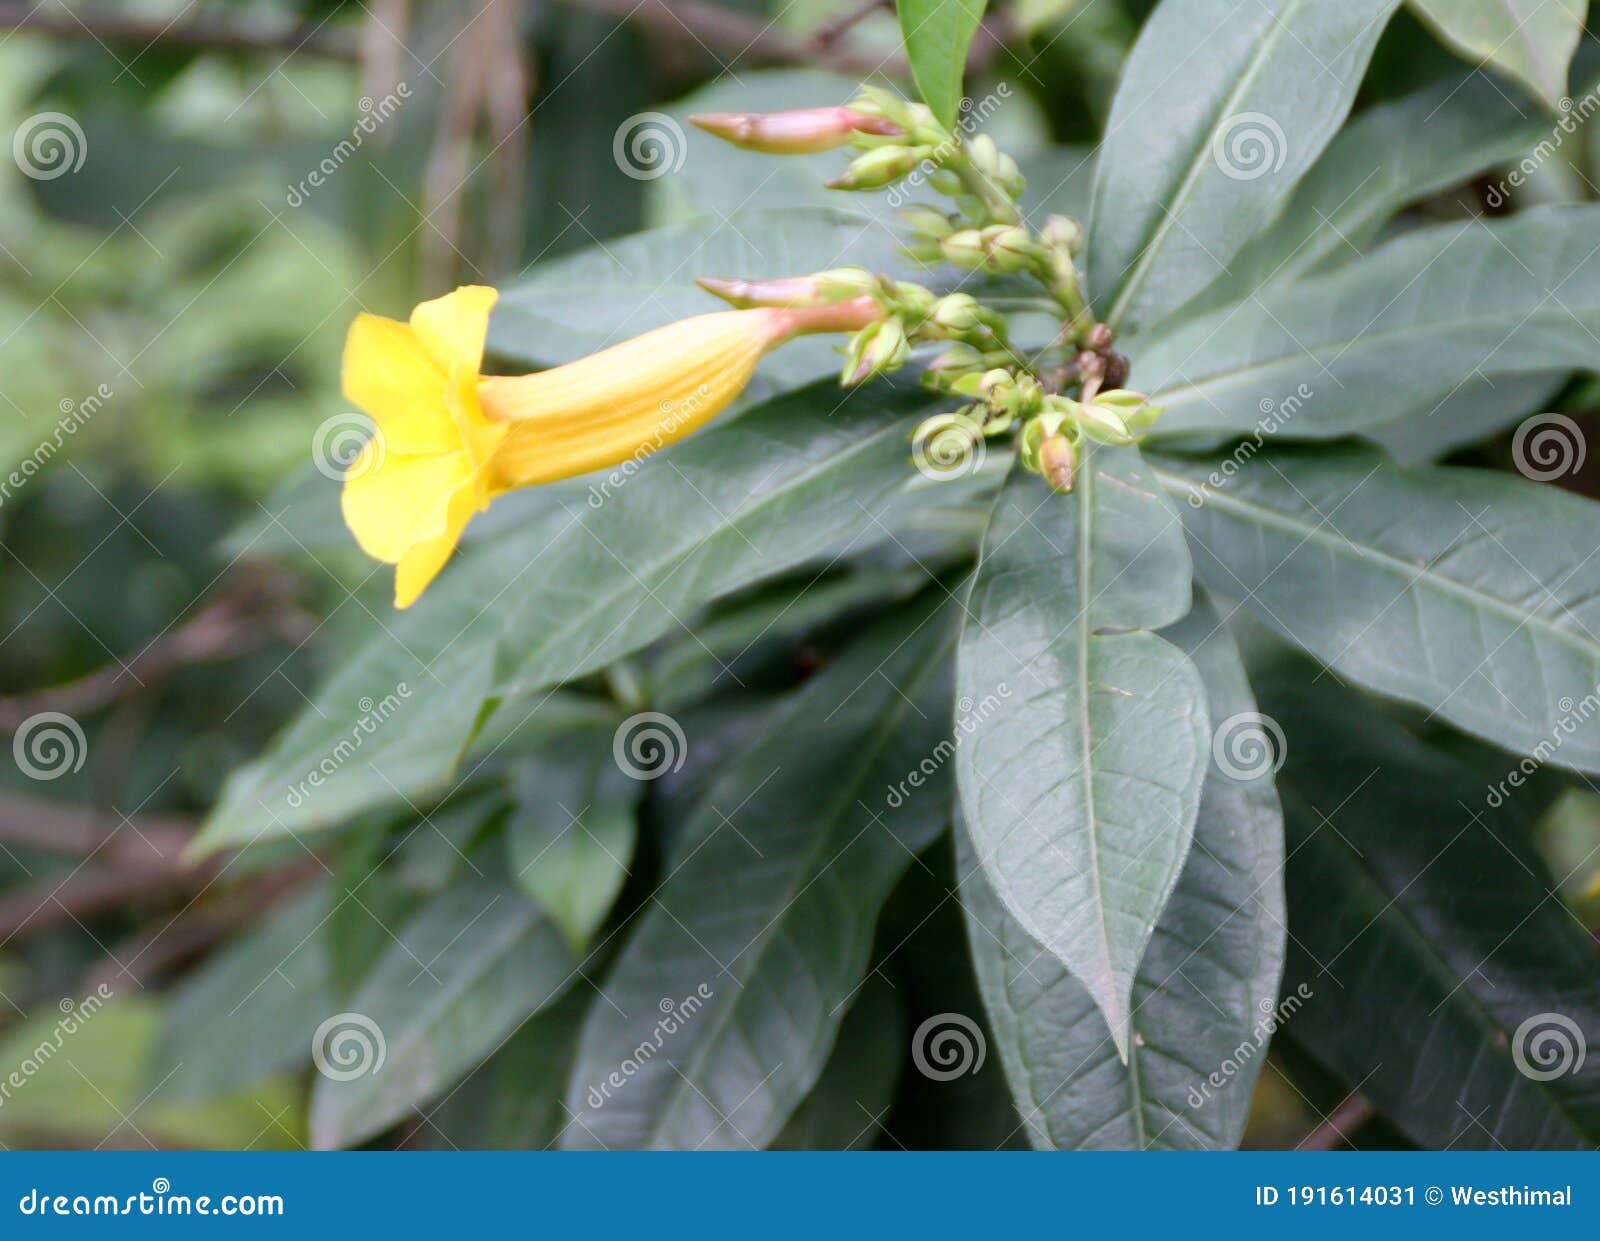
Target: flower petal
(422, 563)
(452, 328)
(394, 502)
(389, 376)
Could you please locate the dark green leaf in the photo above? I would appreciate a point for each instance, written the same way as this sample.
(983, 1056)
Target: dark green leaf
(456, 981)
(1204, 989)
(1416, 900)
(1065, 696)
(1473, 594)
(1222, 108)
(722, 1008)
(1388, 334)
(1532, 40)
(937, 34)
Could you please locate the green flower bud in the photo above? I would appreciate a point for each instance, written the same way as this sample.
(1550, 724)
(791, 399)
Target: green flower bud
(1058, 462)
(957, 312)
(842, 283)
(1102, 424)
(876, 348)
(878, 168)
(928, 222)
(965, 249)
(1062, 233)
(1133, 408)
(1007, 248)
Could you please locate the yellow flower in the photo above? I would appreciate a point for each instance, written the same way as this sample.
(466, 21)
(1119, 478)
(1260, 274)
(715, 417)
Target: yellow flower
(450, 439)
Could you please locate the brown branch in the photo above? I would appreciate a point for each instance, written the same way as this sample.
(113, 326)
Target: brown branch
(148, 842)
(51, 903)
(232, 625)
(739, 34)
(1335, 1131)
(212, 34)
(828, 33)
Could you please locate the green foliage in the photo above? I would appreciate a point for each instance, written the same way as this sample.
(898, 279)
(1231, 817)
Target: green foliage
(1041, 750)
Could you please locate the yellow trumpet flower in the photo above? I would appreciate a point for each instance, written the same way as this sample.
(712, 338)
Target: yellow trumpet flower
(451, 439)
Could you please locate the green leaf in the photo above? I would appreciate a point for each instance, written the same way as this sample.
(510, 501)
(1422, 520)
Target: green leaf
(1203, 988)
(1478, 411)
(249, 1012)
(590, 573)
(1388, 334)
(1418, 901)
(1222, 108)
(571, 837)
(1083, 735)
(1386, 158)
(723, 1006)
(937, 34)
(846, 1107)
(1473, 594)
(1531, 40)
(458, 978)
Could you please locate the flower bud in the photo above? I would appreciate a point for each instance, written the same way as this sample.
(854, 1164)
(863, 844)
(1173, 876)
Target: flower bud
(800, 131)
(877, 168)
(788, 291)
(965, 249)
(1008, 248)
(1063, 233)
(951, 365)
(1101, 423)
(876, 348)
(928, 222)
(1134, 408)
(957, 312)
(1058, 462)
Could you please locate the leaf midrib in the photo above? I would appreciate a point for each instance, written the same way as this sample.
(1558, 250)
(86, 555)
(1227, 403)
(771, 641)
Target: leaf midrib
(1320, 533)
(1191, 177)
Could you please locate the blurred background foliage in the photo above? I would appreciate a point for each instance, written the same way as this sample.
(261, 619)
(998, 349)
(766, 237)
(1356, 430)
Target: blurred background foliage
(176, 576)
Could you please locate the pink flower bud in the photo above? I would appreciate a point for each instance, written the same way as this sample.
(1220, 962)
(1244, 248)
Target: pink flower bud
(800, 131)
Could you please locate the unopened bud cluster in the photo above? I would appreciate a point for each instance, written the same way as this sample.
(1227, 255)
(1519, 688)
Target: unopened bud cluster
(983, 231)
